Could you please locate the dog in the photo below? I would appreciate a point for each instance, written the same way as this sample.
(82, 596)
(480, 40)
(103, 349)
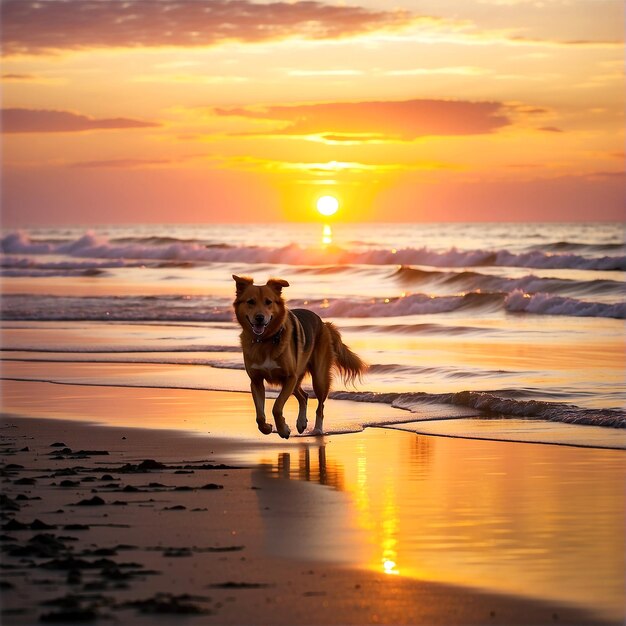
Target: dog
(281, 346)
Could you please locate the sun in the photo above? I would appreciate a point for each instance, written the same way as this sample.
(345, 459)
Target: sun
(327, 205)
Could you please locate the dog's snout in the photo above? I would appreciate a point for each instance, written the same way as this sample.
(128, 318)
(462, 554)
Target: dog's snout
(259, 318)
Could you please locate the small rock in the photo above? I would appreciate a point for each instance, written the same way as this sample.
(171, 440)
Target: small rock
(95, 501)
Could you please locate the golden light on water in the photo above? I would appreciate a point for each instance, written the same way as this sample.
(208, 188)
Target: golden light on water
(327, 235)
(327, 205)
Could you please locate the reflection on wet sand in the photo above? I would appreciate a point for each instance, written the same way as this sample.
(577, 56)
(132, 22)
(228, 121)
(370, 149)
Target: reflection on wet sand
(311, 465)
(535, 520)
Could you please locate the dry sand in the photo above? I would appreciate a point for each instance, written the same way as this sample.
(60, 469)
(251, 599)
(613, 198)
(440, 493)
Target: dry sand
(139, 526)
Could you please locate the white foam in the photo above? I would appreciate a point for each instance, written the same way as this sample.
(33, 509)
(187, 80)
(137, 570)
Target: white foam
(92, 245)
(546, 304)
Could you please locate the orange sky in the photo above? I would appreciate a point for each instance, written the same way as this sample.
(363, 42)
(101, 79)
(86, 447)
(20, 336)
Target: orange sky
(234, 110)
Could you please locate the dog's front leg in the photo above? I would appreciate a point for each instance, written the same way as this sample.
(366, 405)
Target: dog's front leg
(258, 394)
(277, 411)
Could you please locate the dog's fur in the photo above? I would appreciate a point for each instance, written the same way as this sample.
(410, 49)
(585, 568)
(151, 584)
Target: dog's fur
(281, 346)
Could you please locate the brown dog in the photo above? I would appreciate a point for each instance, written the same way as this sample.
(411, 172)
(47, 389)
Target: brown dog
(281, 346)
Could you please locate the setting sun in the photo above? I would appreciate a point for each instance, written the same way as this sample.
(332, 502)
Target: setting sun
(327, 205)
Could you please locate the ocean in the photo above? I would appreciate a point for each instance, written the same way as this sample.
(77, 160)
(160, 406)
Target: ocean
(499, 331)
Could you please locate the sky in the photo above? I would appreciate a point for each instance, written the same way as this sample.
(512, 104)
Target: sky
(196, 111)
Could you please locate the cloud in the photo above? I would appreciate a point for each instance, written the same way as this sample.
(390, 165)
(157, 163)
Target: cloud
(18, 77)
(47, 121)
(38, 27)
(121, 163)
(405, 120)
(324, 168)
(462, 70)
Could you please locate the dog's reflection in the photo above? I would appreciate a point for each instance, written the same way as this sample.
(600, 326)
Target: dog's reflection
(310, 464)
(300, 518)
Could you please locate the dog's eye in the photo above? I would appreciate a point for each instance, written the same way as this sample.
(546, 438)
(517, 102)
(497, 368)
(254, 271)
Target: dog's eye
(251, 302)
(267, 302)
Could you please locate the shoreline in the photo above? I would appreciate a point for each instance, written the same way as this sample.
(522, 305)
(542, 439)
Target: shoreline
(471, 426)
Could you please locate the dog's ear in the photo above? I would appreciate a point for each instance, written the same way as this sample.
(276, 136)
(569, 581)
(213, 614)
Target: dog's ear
(277, 284)
(243, 282)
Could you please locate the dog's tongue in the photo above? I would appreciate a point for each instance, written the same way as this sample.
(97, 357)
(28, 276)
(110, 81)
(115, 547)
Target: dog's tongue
(258, 329)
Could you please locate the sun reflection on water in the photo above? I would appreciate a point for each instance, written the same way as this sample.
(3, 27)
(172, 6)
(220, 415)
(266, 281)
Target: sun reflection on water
(481, 514)
(327, 235)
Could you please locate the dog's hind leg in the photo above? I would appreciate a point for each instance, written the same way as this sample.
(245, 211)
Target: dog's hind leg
(321, 386)
(302, 398)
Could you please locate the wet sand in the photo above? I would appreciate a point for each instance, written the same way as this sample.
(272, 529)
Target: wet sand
(374, 527)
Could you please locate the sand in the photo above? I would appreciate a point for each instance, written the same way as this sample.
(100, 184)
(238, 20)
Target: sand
(119, 523)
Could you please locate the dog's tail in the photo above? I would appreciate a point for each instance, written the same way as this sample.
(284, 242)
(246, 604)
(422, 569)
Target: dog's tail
(350, 366)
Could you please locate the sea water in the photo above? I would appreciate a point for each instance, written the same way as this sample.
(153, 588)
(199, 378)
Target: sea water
(482, 330)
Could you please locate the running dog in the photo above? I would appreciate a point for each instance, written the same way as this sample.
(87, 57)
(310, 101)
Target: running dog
(281, 346)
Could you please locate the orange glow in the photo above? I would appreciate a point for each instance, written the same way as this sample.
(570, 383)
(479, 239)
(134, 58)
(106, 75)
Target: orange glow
(458, 113)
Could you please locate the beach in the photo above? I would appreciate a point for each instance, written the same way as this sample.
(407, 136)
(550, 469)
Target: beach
(102, 519)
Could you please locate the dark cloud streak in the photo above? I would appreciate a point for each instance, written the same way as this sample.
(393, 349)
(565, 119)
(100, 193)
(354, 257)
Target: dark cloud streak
(46, 121)
(40, 27)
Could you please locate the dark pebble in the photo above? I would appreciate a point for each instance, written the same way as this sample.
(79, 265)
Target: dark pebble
(95, 501)
(25, 481)
(150, 464)
(39, 525)
(7, 504)
(92, 453)
(69, 483)
(69, 616)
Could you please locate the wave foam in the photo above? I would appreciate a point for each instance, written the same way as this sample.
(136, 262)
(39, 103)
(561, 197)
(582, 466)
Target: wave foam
(205, 309)
(91, 245)
(545, 304)
(471, 281)
(493, 405)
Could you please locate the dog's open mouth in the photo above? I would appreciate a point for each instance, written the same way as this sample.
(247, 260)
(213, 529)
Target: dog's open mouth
(259, 329)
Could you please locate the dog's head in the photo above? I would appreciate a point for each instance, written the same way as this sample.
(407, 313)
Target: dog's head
(259, 307)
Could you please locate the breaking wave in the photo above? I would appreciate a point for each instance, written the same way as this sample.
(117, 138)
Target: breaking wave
(206, 309)
(492, 404)
(94, 246)
(470, 281)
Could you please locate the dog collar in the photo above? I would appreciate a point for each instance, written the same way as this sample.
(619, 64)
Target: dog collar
(275, 338)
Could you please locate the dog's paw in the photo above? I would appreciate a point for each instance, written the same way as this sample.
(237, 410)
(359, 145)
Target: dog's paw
(284, 432)
(264, 427)
(317, 432)
(301, 425)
